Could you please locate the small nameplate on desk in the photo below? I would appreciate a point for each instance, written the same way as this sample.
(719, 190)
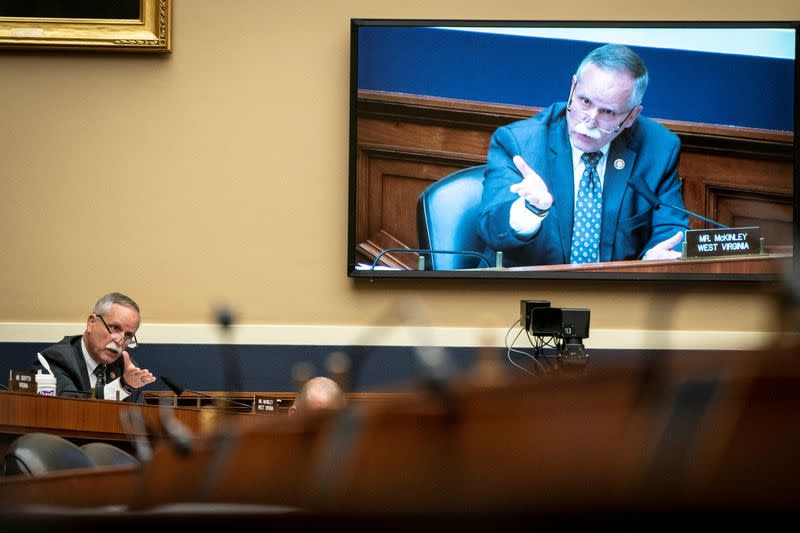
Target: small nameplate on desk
(265, 405)
(22, 382)
(723, 242)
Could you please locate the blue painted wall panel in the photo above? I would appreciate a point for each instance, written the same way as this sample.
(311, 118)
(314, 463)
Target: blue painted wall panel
(261, 368)
(690, 86)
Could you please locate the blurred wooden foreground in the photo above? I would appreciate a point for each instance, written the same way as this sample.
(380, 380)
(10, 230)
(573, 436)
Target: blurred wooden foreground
(679, 432)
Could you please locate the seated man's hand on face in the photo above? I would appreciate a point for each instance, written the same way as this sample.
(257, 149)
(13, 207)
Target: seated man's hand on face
(664, 249)
(532, 188)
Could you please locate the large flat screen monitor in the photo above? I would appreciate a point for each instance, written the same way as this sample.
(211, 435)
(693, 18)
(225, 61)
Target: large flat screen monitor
(467, 144)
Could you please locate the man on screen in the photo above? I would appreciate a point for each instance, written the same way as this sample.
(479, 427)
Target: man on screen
(555, 189)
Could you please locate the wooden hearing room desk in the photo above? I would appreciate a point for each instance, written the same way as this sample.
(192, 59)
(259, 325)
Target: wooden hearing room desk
(767, 264)
(696, 432)
(85, 419)
(776, 263)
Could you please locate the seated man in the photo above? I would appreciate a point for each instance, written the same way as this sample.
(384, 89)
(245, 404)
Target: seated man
(98, 359)
(318, 394)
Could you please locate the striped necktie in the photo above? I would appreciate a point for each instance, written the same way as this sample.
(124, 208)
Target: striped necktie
(588, 213)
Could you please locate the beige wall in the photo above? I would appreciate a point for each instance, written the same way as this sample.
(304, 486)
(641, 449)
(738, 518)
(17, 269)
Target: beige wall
(219, 172)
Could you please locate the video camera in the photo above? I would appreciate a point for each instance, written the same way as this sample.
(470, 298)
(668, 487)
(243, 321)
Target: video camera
(569, 326)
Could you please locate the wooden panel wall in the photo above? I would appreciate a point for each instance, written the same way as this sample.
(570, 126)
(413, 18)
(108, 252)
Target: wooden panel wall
(738, 176)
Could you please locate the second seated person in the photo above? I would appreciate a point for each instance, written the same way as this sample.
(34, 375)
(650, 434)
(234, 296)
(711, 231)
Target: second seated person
(555, 188)
(318, 394)
(98, 359)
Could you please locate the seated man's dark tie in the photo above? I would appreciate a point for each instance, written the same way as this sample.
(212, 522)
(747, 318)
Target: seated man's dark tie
(100, 372)
(588, 213)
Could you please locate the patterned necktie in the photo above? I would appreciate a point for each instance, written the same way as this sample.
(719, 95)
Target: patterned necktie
(100, 372)
(588, 213)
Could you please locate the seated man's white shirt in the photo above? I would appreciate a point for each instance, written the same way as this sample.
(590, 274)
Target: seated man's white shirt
(112, 387)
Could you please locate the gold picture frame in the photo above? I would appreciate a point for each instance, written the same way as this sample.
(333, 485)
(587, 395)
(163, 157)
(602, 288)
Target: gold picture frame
(152, 31)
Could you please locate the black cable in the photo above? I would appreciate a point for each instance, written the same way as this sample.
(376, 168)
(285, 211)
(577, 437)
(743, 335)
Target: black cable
(510, 349)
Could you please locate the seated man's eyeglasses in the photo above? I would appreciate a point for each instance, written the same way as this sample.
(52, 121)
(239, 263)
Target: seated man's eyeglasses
(128, 339)
(604, 120)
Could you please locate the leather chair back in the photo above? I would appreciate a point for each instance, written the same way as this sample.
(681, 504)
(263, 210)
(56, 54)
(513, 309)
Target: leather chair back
(37, 454)
(447, 219)
(104, 454)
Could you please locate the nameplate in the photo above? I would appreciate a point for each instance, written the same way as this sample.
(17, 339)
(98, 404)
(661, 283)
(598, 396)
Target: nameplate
(265, 405)
(723, 242)
(22, 382)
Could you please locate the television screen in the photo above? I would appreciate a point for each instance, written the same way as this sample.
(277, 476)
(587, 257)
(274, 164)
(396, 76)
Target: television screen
(580, 150)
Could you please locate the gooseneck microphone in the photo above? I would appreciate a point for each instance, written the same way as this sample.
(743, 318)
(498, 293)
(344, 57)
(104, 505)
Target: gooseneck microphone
(178, 435)
(230, 354)
(178, 390)
(479, 255)
(174, 387)
(637, 184)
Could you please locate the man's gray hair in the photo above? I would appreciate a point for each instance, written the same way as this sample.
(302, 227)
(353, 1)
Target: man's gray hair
(621, 58)
(105, 302)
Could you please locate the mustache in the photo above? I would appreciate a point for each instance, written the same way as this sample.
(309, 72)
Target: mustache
(114, 346)
(585, 130)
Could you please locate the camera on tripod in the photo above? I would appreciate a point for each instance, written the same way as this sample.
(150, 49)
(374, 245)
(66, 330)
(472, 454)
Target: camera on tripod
(569, 326)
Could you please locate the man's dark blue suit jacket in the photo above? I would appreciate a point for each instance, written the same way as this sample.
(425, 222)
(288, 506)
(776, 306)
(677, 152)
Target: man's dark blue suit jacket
(72, 376)
(630, 225)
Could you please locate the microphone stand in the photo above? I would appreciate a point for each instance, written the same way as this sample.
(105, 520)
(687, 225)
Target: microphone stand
(179, 436)
(221, 398)
(178, 390)
(675, 207)
(644, 190)
(499, 258)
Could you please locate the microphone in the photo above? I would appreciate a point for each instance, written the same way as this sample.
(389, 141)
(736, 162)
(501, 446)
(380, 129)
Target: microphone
(179, 435)
(230, 359)
(137, 431)
(498, 258)
(637, 184)
(178, 390)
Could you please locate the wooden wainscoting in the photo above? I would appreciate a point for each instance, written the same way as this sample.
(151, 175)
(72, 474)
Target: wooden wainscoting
(739, 176)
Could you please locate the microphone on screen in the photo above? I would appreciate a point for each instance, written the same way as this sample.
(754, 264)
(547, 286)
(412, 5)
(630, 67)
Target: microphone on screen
(637, 184)
(423, 252)
(178, 390)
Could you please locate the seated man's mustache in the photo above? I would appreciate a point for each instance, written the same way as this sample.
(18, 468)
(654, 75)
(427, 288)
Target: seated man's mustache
(114, 347)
